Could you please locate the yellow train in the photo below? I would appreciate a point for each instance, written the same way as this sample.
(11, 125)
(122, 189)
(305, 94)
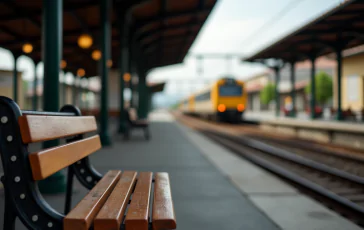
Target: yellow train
(224, 100)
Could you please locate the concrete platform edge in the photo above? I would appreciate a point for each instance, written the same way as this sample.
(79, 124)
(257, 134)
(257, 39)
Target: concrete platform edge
(280, 202)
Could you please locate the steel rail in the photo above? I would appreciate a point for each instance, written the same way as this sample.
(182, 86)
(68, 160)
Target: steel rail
(287, 155)
(236, 147)
(308, 146)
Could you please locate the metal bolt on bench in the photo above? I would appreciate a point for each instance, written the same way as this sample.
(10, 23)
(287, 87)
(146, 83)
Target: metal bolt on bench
(104, 207)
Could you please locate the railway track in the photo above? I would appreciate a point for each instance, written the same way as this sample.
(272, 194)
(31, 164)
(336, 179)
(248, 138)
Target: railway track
(328, 175)
(350, 163)
(339, 190)
(347, 160)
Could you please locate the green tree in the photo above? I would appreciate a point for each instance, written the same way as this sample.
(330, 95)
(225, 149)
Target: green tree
(267, 94)
(25, 86)
(174, 106)
(323, 87)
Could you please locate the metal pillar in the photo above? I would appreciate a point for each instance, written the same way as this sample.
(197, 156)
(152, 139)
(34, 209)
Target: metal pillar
(142, 96)
(313, 88)
(293, 88)
(52, 47)
(15, 78)
(150, 97)
(132, 71)
(35, 84)
(86, 92)
(277, 96)
(339, 74)
(123, 69)
(105, 12)
(64, 89)
(74, 91)
(84, 99)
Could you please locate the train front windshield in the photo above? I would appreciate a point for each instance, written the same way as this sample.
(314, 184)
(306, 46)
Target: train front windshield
(230, 90)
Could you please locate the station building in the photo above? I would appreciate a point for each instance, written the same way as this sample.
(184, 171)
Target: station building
(256, 83)
(87, 95)
(352, 83)
(7, 90)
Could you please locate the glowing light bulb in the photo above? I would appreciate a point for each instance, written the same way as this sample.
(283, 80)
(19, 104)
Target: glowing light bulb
(84, 41)
(81, 72)
(96, 55)
(27, 48)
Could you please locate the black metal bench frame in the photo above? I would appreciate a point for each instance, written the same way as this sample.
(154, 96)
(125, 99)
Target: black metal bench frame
(22, 197)
(135, 124)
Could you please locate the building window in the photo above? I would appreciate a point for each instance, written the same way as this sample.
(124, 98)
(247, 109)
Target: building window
(352, 88)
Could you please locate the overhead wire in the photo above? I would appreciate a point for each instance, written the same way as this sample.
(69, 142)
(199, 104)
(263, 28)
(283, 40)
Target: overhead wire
(287, 8)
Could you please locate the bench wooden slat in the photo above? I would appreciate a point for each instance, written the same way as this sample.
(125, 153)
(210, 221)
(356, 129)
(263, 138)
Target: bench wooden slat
(46, 162)
(112, 213)
(35, 128)
(163, 216)
(80, 218)
(138, 212)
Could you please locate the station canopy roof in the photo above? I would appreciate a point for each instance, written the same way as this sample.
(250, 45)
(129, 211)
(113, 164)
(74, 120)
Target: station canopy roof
(163, 30)
(156, 87)
(320, 35)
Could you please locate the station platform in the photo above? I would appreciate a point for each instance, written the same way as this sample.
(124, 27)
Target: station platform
(212, 188)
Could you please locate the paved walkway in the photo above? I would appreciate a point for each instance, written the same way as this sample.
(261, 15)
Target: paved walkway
(269, 115)
(203, 197)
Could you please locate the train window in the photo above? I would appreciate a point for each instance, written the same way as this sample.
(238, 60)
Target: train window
(230, 90)
(204, 96)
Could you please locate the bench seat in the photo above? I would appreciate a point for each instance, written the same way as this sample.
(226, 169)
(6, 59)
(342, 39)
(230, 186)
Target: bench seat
(106, 204)
(134, 122)
(143, 123)
(117, 200)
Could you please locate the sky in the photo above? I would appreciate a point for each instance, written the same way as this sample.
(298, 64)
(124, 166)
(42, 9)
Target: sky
(241, 27)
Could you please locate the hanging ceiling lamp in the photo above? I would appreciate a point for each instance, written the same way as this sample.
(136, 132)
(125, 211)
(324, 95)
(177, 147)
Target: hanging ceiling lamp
(85, 41)
(126, 77)
(63, 64)
(27, 48)
(109, 63)
(81, 72)
(96, 55)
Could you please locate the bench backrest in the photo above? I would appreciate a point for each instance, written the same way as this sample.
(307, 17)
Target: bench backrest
(22, 169)
(131, 115)
(35, 128)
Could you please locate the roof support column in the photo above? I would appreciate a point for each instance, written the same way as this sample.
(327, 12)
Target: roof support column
(35, 84)
(15, 78)
(84, 97)
(132, 73)
(63, 88)
(293, 88)
(74, 91)
(142, 96)
(105, 12)
(313, 88)
(338, 51)
(150, 97)
(52, 47)
(124, 69)
(277, 95)
(81, 101)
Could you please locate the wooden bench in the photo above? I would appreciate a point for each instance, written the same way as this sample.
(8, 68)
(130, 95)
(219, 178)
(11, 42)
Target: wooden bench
(117, 200)
(134, 123)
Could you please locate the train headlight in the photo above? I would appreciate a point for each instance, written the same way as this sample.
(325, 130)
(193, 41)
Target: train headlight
(240, 107)
(221, 108)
